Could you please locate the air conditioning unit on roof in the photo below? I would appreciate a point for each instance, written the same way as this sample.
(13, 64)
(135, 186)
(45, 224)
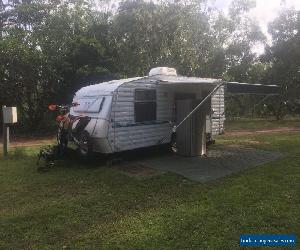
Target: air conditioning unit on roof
(163, 71)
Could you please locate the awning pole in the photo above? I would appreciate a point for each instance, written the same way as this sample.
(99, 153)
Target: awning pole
(198, 106)
(192, 112)
(255, 105)
(265, 98)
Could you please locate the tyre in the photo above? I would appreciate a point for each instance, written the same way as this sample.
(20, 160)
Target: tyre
(173, 146)
(84, 149)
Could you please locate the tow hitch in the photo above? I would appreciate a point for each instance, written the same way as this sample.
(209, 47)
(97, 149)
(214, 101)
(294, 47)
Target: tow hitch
(47, 157)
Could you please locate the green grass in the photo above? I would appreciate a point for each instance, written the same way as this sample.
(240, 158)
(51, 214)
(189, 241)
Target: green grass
(75, 206)
(257, 123)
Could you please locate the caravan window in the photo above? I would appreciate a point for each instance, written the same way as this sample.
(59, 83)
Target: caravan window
(145, 105)
(89, 104)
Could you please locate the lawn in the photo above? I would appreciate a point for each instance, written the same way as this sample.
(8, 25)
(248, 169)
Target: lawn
(261, 123)
(78, 206)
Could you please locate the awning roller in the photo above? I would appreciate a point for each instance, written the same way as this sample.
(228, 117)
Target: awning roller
(247, 88)
(231, 87)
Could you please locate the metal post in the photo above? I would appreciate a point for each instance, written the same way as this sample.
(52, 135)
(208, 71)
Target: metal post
(5, 139)
(5, 135)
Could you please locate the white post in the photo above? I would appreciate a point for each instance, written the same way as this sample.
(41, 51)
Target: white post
(5, 135)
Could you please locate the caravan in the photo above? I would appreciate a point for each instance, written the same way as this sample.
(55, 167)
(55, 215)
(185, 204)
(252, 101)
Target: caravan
(161, 108)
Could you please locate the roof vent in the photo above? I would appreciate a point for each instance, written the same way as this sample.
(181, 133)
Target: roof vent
(163, 71)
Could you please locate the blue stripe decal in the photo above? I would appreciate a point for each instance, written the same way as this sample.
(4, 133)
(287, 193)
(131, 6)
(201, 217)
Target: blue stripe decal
(120, 125)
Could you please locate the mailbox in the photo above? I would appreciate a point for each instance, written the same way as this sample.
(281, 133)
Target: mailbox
(10, 115)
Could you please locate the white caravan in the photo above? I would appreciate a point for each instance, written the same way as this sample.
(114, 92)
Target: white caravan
(160, 108)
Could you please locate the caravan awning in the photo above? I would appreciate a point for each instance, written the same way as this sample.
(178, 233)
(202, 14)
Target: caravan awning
(209, 83)
(247, 88)
(191, 84)
(188, 81)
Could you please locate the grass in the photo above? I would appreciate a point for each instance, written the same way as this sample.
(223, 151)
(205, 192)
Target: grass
(257, 123)
(75, 206)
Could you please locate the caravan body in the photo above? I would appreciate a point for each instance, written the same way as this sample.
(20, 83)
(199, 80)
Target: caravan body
(136, 112)
(216, 119)
(141, 112)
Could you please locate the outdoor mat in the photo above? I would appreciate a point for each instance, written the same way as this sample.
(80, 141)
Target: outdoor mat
(220, 161)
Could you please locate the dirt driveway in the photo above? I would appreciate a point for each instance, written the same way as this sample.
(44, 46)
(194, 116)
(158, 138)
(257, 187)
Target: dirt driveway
(265, 131)
(42, 140)
(30, 141)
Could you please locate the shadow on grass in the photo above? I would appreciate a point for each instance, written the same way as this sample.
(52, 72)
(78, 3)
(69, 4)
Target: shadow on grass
(71, 159)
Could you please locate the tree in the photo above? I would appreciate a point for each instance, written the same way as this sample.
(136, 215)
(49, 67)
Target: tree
(46, 50)
(50, 49)
(284, 57)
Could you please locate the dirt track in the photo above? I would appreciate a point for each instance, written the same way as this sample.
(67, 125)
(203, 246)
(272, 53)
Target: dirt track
(38, 141)
(266, 131)
(31, 141)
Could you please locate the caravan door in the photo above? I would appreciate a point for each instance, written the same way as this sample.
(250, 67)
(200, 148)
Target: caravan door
(191, 136)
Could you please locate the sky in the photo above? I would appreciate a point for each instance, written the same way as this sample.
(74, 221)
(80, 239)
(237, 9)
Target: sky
(264, 12)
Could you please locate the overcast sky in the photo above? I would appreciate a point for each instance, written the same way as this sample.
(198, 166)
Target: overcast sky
(265, 11)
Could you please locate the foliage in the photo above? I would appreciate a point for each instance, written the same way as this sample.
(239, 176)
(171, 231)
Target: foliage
(284, 57)
(46, 54)
(50, 49)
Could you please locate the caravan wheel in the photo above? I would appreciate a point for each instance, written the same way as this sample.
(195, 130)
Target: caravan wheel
(173, 145)
(84, 149)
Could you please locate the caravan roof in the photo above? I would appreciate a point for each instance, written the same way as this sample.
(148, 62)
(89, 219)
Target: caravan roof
(178, 80)
(168, 77)
(104, 88)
